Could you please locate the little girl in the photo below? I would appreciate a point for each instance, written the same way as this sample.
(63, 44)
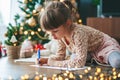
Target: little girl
(81, 40)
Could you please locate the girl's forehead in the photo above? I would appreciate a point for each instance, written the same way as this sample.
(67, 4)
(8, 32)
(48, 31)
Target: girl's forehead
(52, 30)
(55, 29)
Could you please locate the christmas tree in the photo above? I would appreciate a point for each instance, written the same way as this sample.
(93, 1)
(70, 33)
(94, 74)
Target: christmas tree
(27, 25)
(29, 21)
(13, 34)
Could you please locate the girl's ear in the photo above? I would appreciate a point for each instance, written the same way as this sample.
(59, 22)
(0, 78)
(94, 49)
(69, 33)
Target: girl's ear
(68, 22)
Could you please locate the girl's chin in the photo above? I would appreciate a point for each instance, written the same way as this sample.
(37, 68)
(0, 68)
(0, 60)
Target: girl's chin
(56, 38)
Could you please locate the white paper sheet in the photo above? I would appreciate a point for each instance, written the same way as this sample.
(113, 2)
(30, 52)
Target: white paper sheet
(60, 68)
(25, 60)
(32, 59)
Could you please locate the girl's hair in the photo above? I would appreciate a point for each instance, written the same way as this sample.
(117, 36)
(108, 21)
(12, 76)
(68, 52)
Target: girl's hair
(55, 14)
(70, 5)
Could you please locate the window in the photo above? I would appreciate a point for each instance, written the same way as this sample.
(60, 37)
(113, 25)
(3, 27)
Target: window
(8, 8)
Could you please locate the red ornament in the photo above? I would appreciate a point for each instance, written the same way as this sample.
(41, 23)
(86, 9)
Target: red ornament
(39, 46)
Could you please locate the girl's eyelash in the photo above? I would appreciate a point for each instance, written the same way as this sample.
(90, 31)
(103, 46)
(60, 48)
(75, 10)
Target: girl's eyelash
(55, 31)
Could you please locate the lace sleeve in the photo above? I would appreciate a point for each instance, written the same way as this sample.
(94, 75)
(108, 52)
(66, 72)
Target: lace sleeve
(61, 52)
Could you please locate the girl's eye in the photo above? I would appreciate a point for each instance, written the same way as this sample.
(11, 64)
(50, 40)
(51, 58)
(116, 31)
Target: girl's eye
(55, 31)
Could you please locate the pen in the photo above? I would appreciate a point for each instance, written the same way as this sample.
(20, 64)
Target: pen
(38, 53)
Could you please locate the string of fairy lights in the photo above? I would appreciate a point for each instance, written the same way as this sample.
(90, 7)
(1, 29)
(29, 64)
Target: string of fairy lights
(86, 74)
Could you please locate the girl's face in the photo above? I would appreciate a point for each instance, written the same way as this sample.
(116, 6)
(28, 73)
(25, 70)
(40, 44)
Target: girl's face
(58, 33)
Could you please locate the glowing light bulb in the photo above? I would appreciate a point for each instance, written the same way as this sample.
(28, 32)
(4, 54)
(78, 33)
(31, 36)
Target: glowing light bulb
(39, 29)
(29, 37)
(25, 32)
(32, 32)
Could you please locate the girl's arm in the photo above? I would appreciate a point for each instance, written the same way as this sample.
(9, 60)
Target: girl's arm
(80, 40)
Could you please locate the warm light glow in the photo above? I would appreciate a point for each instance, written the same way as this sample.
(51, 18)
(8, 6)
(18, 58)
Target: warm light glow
(42, 9)
(26, 76)
(119, 75)
(36, 73)
(96, 73)
(95, 78)
(40, 76)
(81, 76)
(71, 75)
(76, 67)
(66, 79)
(102, 78)
(90, 77)
(79, 21)
(29, 37)
(36, 78)
(86, 71)
(61, 0)
(34, 11)
(114, 77)
(56, 78)
(14, 44)
(10, 78)
(60, 78)
(22, 78)
(21, 28)
(25, 32)
(101, 75)
(114, 73)
(25, 1)
(110, 77)
(54, 75)
(89, 68)
(98, 70)
(21, 24)
(39, 29)
(67, 71)
(65, 74)
(32, 32)
(114, 69)
(44, 78)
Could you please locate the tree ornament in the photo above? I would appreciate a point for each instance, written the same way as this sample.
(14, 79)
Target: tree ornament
(38, 7)
(25, 1)
(27, 15)
(31, 22)
(35, 13)
(13, 39)
(39, 46)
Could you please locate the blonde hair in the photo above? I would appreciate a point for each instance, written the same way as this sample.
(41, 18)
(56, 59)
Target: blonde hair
(54, 15)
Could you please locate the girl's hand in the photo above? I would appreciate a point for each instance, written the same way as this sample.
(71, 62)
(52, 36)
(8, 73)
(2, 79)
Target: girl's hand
(43, 61)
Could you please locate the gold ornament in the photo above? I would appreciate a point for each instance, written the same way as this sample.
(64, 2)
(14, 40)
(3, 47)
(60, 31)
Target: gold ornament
(35, 13)
(25, 1)
(31, 22)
